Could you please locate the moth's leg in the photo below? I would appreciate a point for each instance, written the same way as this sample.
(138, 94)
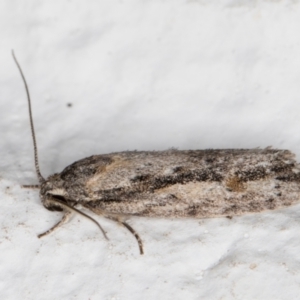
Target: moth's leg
(139, 240)
(64, 219)
(117, 219)
(31, 186)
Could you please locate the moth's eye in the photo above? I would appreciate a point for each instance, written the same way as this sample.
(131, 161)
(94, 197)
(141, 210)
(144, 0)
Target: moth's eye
(59, 197)
(54, 208)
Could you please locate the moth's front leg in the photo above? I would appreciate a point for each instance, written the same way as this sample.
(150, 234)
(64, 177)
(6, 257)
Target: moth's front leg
(64, 220)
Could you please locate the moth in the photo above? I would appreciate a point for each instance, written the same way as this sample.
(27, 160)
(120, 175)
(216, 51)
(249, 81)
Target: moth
(169, 184)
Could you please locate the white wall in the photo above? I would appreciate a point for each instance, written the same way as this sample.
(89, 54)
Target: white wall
(146, 75)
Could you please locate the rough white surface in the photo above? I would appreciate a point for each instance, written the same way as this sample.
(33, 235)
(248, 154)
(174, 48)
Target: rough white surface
(146, 75)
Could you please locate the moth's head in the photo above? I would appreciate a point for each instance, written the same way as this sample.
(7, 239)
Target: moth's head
(51, 190)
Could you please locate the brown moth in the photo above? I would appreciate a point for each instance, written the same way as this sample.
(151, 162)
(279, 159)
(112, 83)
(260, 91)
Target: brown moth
(171, 184)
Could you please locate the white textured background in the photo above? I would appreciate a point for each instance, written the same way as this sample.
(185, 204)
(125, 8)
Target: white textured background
(146, 75)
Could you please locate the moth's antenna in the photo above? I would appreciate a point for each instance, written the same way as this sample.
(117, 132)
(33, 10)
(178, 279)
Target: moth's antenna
(36, 160)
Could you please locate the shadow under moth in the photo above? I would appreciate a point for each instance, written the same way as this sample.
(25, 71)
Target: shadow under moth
(170, 184)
